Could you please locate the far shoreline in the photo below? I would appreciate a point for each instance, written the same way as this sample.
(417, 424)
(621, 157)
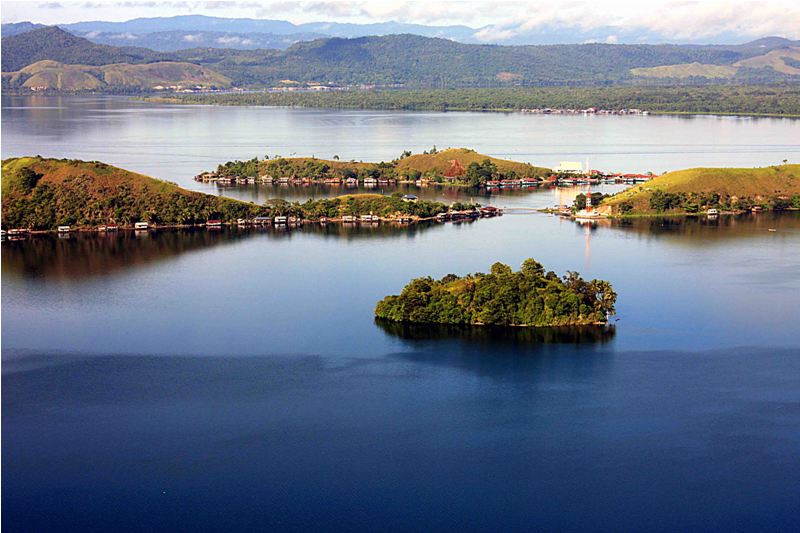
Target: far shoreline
(454, 109)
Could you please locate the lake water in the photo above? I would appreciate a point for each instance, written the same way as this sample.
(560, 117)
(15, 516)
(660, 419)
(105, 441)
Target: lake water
(199, 380)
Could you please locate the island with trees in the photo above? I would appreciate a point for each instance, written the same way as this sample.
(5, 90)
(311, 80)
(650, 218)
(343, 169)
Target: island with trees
(529, 297)
(453, 166)
(41, 194)
(702, 190)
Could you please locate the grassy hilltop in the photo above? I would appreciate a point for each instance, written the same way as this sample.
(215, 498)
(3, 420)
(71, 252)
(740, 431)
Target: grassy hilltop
(441, 161)
(697, 189)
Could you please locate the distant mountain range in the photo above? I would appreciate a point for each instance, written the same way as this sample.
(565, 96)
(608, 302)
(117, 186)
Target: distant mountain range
(416, 61)
(188, 31)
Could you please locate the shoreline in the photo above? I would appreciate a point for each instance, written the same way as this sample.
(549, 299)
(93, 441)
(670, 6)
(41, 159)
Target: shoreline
(400, 221)
(457, 109)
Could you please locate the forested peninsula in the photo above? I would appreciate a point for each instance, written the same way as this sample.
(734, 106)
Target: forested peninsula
(528, 297)
(778, 100)
(42, 194)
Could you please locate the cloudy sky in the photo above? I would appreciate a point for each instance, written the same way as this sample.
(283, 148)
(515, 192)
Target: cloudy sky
(499, 19)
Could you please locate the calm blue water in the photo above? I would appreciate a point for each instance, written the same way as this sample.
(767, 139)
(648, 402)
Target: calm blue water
(208, 381)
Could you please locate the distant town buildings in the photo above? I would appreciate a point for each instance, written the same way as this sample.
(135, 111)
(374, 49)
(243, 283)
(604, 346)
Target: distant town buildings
(587, 111)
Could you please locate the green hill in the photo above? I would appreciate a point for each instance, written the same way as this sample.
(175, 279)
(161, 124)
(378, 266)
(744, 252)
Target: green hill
(57, 45)
(40, 193)
(697, 189)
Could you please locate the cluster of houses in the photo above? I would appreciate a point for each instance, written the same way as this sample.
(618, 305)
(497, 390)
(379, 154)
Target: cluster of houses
(569, 173)
(280, 220)
(587, 111)
(512, 184)
(213, 177)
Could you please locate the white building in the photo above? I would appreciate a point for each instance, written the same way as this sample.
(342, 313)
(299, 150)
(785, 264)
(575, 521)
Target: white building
(569, 167)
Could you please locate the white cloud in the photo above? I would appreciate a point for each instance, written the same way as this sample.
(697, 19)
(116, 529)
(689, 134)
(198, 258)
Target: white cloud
(124, 36)
(192, 38)
(232, 39)
(491, 34)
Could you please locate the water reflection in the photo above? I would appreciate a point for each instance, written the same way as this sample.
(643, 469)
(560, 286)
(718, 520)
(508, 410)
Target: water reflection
(695, 230)
(87, 254)
(498, 336)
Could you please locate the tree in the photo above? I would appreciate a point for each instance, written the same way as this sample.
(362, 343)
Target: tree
(580, 202)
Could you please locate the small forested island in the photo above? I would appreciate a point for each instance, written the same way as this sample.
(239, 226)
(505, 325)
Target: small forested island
(530, 297)
(41, 194)
(699, 190)
(454, 166)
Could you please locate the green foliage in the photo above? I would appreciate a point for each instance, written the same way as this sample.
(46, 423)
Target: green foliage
(28, 178)
(743, 99)
(239, 168)
(580, 202)
(479, 173)
(503, 297)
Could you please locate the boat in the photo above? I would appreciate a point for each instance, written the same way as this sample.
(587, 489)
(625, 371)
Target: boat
(64, 229)
(214, 223)
(141, 226)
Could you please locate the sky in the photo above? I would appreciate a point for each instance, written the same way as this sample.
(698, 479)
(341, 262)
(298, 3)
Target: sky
(496, 19)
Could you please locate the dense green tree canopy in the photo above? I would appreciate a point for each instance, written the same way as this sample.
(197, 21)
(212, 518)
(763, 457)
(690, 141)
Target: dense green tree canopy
(503, 297)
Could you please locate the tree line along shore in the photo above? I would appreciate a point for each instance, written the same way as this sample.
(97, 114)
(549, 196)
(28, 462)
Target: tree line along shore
(770, 100)
(40, 194)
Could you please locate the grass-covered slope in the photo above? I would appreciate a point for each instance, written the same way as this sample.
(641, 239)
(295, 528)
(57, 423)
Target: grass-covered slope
(53, 75)
(441, 161)
(42, 194)
(502, 297)
(686, 70)
(695, 189)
